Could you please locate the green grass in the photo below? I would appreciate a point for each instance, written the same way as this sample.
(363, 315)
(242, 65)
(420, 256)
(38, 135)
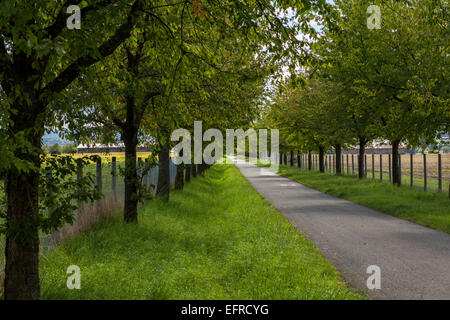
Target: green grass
(217, 239)
(418, 183)
(426, 208)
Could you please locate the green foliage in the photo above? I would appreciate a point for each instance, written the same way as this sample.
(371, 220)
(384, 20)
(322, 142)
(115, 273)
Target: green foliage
(69, 148)
(55, 149)
(389, 83)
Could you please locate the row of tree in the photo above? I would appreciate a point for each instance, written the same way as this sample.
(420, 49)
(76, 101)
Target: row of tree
(389, 83)
(134, 71)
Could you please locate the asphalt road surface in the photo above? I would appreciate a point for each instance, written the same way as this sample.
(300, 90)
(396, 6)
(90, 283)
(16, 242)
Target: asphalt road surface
(414, 261)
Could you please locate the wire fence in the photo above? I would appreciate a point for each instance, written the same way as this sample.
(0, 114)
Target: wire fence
(109, 180)
(430, 172)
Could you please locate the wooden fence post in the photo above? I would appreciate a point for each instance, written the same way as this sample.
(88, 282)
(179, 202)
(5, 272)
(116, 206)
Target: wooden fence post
(139, 168)
(373, 166)
(424, 172)
(54, 232)
(411, 165)
(353, 164)
(331, 163)
(99, 183)
(381, 167)
(334, 164)
(365, 165)
(79, 177)
(439, 173)
(348, 173)
(147, 175)
(390, 175)
(114, 175)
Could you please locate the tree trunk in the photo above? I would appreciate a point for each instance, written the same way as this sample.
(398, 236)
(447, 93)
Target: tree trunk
(22, 238)
(164, 172)
(187, 176)
(292, 159)
(362, 151)
(281, 158)
(130, 213)
(299, 162)
(395, 163)
(179, 178)
(338, 151)
(194, 170)
(321, 159)
(285, 159)
(309, 160)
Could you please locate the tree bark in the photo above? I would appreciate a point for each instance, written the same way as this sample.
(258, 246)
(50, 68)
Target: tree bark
(163, 189)
(292, 159)
(309, 160)
(194, 170)
(338, 151)
(179, 178)
(187, 176)
(362, 151)
(130, 213)
(22, 239)
(395, 163)
(321, 159)
(299, 162)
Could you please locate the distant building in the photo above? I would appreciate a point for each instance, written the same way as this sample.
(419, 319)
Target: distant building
(445, 138)
(106, 148)
(378, 147)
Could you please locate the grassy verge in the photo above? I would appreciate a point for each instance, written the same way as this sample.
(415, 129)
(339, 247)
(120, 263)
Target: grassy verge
(217, 239)
(426, 208)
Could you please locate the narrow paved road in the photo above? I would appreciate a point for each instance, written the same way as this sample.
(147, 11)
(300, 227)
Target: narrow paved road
(414, 260)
